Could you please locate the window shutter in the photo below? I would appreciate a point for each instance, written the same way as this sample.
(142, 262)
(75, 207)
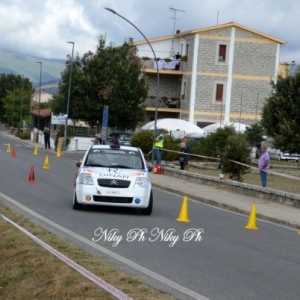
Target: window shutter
(222, 52)
(219, 92)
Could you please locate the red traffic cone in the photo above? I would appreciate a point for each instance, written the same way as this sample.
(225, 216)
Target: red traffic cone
(31, 175)
(14, 154)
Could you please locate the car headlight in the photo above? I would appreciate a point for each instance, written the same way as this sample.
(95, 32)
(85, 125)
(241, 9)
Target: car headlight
(141, 182)
(85, 178)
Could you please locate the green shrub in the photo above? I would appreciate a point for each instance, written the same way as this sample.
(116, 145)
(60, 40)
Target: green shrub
(24, 135)
(144, 140)
(61, 131)
(236, 149)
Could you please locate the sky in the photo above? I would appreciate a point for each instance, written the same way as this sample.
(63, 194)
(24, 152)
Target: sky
(44, 28)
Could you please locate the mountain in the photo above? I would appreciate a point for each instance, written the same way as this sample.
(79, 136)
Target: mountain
(22, 64)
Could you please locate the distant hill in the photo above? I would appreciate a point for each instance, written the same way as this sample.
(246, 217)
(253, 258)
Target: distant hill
(22, 64)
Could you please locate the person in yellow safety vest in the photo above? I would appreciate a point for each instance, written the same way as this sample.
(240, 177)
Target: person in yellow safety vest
(158, 145)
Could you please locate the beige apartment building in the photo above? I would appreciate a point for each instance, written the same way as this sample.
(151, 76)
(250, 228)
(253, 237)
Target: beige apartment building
(212, 74)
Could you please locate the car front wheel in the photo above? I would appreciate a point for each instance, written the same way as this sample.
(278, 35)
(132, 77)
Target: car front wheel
(76, 205)
(148, 209)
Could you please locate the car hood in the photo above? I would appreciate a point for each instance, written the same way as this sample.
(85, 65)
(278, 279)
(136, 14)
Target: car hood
(117, 173)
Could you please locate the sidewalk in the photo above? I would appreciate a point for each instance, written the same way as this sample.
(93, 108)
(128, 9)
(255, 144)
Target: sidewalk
(267, 210)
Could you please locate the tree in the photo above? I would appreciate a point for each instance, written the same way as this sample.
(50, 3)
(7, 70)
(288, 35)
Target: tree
(214, 143)
(112, 76)
(281, 113)
(236, 155)
(254, 134)
(15, 94)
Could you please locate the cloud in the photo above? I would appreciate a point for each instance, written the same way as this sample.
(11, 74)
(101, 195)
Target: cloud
(43, 28)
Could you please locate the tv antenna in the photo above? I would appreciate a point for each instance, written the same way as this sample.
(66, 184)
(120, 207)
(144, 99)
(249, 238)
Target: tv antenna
(175, 10)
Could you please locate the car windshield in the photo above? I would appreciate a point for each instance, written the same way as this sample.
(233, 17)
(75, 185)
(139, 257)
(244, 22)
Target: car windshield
(115, 158)
(125, 137)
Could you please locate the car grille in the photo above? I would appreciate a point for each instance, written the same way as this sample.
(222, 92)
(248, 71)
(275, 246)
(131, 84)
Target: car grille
(114, 183)
(107, 199)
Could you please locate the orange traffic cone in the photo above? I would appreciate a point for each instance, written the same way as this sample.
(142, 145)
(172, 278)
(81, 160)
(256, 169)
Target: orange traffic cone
(8, 148)
(31, 175)
(46, 163)
(35, 152)
(183, 215)
(14, 154)
(252, 218)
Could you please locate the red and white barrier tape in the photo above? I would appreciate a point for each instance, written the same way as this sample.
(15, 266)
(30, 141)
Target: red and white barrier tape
(252, 167)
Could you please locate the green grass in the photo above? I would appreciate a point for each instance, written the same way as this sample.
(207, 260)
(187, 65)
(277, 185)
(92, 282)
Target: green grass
(274, 181)
(28, 271)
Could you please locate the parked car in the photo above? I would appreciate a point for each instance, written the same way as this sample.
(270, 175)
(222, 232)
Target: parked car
(111, 175)
(255, 152)
(120, 138)
(279, 155)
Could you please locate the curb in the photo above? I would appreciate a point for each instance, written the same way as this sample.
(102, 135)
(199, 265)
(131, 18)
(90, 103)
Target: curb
(226, 206)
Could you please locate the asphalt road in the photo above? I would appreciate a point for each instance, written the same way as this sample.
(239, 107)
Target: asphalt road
(224, 261)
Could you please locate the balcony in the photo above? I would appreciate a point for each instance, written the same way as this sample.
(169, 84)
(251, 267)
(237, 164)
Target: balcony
(163, 102)
(165, 66)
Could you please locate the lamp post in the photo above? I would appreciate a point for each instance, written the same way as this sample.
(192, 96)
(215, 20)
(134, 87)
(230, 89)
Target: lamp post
(68, 101)
(21, 112)
(157, 85)
(13, 106)
(38, 125)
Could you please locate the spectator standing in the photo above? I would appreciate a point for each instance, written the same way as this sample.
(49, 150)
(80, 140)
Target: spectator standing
(47, 138)
(264, 165)
(188, 150)
(158, 145)
(98, 139)
(182, 156)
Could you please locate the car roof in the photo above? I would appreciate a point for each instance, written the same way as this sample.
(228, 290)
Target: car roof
(121, 133)
(114, 147)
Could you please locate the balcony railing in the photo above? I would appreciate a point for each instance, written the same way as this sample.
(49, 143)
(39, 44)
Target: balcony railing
(172, 65)
(163, 103)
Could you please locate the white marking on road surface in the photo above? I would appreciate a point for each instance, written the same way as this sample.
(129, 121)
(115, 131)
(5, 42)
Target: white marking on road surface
(118, 257)
(86, 273)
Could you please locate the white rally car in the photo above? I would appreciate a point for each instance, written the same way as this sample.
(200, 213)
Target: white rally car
(113, 176)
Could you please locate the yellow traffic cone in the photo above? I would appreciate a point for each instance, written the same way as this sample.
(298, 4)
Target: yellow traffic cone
(46, 163)
(58, 154)
(252, 218)
(8, 148)
(183, 215)
(35, 152)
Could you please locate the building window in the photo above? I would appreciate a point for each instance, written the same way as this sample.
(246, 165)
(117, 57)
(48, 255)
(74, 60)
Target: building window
(222, 53)
(187, 50)
(219, 92)
(183, 91)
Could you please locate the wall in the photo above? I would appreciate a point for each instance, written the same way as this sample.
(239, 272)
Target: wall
(237, 187)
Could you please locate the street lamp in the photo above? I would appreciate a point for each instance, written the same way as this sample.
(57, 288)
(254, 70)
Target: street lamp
(13, 106)
(38, 125)
(69, 94)
(21, 113)
(157, 71)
